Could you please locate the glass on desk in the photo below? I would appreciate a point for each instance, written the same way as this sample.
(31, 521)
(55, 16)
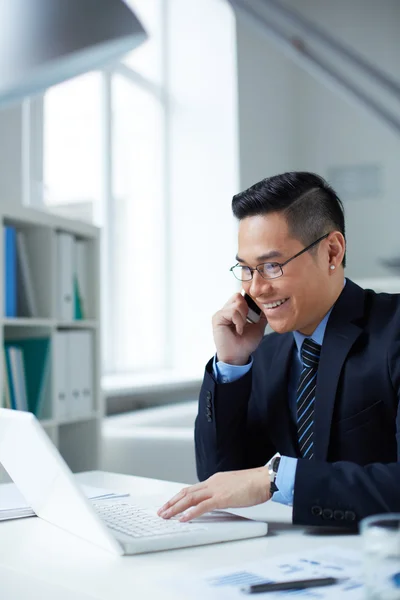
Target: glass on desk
(381, 546)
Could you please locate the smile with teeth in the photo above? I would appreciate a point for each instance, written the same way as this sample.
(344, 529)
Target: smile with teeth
(275, 304)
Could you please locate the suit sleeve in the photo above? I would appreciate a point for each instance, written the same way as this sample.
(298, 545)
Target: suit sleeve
(228, 435)
(343, 493)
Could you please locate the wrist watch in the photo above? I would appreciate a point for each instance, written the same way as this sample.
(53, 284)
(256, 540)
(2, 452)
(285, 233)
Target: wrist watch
(273, 466)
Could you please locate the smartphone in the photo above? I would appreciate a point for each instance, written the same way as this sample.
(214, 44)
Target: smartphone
(253, 316)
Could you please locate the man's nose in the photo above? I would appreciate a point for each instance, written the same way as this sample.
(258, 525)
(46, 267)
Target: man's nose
(259, 285)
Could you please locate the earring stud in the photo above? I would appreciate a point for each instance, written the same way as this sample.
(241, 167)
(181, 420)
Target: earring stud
(332, 267)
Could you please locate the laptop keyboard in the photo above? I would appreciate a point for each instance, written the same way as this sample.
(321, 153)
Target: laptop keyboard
(138, 522)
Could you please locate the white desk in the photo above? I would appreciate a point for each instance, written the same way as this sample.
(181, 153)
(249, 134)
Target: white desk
(33, 553)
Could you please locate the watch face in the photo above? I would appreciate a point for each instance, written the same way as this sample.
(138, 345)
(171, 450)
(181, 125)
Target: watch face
(275, 464)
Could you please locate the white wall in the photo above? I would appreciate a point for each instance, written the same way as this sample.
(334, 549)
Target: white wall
(203, 171)
(267, 86)
(319, 129)
(11, 154)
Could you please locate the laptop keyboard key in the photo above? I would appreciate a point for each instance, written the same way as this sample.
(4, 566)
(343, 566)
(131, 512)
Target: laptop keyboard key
(138, 522)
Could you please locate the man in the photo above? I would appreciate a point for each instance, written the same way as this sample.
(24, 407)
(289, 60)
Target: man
(322, 391)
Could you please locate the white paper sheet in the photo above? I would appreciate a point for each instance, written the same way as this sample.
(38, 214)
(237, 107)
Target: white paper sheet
(13, 505)
(331, 561)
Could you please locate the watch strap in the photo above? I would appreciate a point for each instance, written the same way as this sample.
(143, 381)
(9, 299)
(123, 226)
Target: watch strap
(273, 467)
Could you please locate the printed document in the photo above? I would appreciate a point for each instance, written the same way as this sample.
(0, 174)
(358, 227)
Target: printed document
(327, 561)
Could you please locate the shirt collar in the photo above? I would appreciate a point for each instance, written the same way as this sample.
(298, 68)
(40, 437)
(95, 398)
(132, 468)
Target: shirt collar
(318, 335)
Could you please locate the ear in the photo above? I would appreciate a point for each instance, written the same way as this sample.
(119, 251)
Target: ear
(336, 249)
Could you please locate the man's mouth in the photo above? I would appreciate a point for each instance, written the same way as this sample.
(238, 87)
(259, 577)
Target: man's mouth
(275, 304)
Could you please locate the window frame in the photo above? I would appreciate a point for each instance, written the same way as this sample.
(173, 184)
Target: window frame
(103, 215)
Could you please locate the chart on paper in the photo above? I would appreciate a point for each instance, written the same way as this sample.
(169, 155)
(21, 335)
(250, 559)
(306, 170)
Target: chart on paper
(227, 583)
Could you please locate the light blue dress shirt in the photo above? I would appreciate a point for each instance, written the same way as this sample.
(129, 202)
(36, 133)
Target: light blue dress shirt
(225, 373)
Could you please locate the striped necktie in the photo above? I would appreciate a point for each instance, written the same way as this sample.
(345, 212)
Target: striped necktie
(310, 353)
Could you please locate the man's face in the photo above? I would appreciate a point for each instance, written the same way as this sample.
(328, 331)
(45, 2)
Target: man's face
(303, 292)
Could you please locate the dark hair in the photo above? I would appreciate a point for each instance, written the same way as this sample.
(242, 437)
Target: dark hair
(309, 204)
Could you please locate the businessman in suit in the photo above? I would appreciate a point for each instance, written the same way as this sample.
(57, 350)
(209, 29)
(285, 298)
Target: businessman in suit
(308, 415)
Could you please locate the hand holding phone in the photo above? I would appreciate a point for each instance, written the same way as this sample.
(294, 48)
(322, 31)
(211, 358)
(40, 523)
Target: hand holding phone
(254, 314)
(238, 328)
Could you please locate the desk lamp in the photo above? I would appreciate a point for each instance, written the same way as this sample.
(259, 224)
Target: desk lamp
(44, 42)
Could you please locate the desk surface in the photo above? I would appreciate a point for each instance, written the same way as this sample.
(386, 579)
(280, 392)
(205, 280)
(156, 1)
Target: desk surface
(36, 555)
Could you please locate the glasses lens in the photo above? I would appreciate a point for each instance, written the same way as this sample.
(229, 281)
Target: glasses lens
(242, 273)
(271, 270)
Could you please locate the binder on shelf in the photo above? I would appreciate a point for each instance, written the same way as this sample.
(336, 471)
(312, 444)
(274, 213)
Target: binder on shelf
(65, 267)
(81, 372)
(78, 312)
(12, 390)
(10, 272)
(17, 377)
(73, 374)
(81, 273)
(6, 383)
(62, 397)
(35, 355)
(26, 297)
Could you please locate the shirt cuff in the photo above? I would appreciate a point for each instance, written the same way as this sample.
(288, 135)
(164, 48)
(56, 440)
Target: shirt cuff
(285, 481)
(224, 373)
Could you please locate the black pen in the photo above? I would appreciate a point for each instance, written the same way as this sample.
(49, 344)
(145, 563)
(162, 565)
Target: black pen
(299, 584)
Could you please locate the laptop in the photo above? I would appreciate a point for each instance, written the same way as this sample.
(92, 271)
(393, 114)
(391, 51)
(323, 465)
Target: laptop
(119, 526)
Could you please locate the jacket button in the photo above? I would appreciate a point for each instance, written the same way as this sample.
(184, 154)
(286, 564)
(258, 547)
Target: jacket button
(208, 403)
(316, 511)
(209, 419)
(338, 515)
(349, 515)
(208, 396)
(327, 513)
(208, 412)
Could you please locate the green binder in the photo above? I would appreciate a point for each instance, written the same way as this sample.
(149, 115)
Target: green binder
(78, 308)
(36, 362)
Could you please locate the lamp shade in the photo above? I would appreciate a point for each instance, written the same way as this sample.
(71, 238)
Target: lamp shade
(44, 42)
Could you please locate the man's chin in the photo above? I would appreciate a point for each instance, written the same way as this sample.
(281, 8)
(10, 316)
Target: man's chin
(280, 327)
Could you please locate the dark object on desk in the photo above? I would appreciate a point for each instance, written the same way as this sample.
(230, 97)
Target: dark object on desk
(300, 584)
(44, 42)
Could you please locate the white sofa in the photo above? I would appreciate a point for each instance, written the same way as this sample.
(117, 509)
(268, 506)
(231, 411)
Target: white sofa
(153, 442)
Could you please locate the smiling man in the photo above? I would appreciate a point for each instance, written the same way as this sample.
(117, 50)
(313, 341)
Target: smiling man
(307, 415)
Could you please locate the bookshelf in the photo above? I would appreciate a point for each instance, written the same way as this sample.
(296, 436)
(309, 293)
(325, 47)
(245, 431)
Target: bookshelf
(57, 343)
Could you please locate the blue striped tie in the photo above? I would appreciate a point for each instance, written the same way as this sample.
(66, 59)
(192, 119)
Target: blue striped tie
(310, 353)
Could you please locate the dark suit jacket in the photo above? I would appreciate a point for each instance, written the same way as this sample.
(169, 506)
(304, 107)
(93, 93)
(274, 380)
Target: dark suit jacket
(355, 470)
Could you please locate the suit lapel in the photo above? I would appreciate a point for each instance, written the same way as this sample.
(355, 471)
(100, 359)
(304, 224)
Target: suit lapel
(340, 335)
(280, 424)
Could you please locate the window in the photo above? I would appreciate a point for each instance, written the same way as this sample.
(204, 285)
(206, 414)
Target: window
(72, 147)
(137, 301)
(154, 163)
(87, 138)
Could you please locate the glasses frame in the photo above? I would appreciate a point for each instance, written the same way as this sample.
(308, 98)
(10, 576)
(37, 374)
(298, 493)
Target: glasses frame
(280, 265)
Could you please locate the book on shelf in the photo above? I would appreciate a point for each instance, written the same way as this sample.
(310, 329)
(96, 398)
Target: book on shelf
(10, 271)
(26, 297)
(16, 377)
(6, 386)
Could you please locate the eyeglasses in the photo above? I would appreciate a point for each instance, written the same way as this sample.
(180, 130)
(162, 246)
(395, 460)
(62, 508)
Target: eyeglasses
(269, 270)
